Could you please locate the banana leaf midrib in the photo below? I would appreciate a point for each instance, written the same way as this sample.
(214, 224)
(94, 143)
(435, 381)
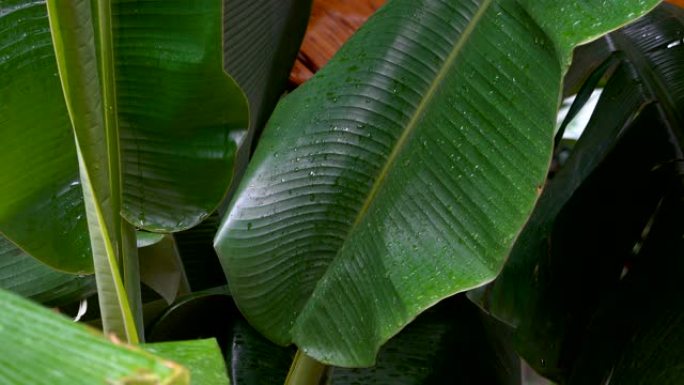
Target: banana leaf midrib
(420, 110)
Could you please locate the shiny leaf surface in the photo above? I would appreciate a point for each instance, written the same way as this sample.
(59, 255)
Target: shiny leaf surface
(402, 172)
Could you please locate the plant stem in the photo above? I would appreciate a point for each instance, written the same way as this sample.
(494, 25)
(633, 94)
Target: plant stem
(307, 371)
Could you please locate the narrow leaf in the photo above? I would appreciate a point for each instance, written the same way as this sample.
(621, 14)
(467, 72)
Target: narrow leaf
(83, 48)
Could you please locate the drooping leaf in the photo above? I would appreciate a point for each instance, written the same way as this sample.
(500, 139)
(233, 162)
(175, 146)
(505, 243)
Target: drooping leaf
(202, 358)
(403, 171)
(24, 275)
(43, 348)
(596, 225)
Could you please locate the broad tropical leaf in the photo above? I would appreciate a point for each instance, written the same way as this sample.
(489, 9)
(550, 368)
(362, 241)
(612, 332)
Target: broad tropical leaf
(201, 357)
(180, 119)
(43, 348)
(157, 123)
(403, 171)
(607, 219)
(24, 275)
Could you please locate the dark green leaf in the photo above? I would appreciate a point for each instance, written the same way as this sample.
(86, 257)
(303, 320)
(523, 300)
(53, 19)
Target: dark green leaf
(581, 285)
(454, 343)
(24, 275)
(402, 172)
(261, 41)
(199, 258)
(181, 117)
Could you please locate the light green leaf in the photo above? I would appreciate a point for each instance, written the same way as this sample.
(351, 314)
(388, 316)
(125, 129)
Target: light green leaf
(40, 347)
(201, 357)
(402, 173)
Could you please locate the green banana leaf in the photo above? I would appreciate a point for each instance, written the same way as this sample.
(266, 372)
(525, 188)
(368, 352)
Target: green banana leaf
(202, 357)
(609, 220)
(24, 275)
(180, 120)
(403, 171)
(43, 348)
